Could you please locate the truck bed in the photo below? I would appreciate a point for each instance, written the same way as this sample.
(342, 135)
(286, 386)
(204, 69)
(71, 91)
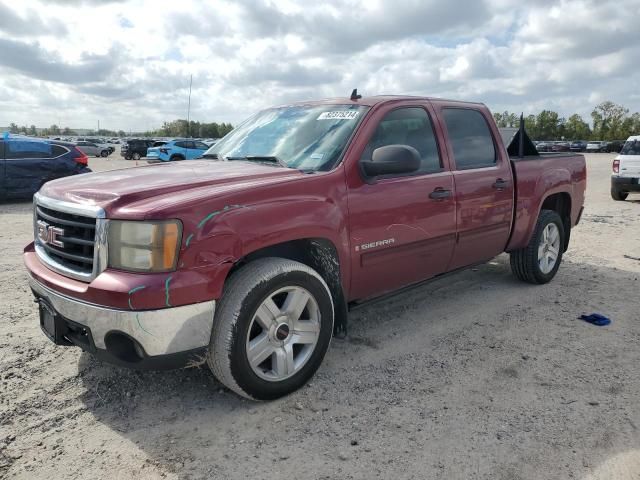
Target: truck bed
(536, 179)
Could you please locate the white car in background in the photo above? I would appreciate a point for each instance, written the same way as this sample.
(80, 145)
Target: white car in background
(595, 146)
(626, 170)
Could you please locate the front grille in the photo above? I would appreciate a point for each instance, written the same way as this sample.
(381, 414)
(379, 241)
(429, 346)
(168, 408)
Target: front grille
(78, 239)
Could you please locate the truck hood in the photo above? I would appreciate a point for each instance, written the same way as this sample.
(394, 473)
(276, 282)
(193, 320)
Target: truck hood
(159, 185)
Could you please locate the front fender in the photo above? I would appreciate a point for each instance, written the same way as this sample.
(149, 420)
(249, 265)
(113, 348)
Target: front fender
(224, 236)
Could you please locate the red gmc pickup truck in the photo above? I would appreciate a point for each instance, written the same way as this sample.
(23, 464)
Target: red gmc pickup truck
(251, 257)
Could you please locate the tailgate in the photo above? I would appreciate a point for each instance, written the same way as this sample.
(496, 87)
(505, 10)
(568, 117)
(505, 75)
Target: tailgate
(629, 165)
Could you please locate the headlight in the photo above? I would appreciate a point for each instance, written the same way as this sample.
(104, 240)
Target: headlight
(144, 246)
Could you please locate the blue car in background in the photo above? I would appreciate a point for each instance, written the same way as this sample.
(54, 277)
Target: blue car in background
(27, 163)
(179, 149)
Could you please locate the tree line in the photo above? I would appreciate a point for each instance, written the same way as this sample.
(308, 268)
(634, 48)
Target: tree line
(609, 121)
(182, 128)
(176, 128)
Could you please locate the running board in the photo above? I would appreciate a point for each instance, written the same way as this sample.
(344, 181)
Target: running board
(387, 296)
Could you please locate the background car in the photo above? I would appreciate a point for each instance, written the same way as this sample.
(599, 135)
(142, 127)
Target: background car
(544, 146)
(594, 146)
(560, 147)
(99, 142)
(578, 146)
(27, 163)
(615, 146)
(180, 149)
(135, 148)
(93, 149)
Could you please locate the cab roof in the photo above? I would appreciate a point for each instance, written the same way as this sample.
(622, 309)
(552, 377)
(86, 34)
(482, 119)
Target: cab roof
(379, 99)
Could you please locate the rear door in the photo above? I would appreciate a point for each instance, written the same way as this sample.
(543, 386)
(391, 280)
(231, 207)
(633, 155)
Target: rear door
(483, 183)
(198, 149)
(400, 232)
(27, 166)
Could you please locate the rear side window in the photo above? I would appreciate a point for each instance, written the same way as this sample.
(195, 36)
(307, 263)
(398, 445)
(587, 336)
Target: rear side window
(470, 138)
(58, 150)
(201, 146)
(28, 149)
(407, 126)
(632, 147)
(181, 144)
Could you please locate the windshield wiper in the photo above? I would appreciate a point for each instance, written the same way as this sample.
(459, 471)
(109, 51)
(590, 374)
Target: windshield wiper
(261, 158)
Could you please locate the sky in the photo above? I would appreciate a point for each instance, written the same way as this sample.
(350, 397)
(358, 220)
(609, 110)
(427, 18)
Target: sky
(126, 64)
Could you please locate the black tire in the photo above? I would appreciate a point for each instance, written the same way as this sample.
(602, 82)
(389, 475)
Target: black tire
(127, 157)
(104, 153)
(244, 292)
(524, 262)
(136, 156)
(176, 158)
(617, 195)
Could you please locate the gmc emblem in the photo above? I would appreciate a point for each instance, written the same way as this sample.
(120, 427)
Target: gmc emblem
(48, 234)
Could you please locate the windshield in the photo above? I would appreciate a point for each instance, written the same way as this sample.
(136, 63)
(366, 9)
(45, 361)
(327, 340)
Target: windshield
(305, 137)
(632, 147)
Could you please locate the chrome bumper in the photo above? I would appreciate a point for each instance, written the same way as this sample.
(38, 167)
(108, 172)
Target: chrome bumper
(159, 332)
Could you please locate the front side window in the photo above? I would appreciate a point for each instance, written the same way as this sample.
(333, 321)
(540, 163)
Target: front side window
(27, 149)
(407, 126)
(470, 138)
(305, 137)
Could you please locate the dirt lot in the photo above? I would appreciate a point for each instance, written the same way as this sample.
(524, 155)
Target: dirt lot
(473, 376)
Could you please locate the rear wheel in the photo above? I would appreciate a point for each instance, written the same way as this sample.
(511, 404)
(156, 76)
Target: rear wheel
(136, 156)
(539, 261)
(176, 158)
(104, 153)
(618, 195)
(272, 328)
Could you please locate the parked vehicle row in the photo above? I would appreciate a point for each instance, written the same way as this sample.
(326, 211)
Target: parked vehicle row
(165, 150)
(594, 146)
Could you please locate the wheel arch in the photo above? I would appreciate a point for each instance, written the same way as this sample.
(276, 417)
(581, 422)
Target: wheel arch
(561, 204)
(318, 253)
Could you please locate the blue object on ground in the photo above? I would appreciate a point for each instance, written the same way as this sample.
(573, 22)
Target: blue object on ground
(596, 319)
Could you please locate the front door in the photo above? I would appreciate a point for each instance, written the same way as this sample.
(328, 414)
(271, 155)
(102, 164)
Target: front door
(402, 228)
(483, 183)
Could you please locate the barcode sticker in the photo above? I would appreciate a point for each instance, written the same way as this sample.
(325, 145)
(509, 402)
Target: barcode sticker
(339, 115)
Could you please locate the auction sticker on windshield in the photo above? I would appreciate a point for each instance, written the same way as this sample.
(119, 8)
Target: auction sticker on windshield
(340, 115)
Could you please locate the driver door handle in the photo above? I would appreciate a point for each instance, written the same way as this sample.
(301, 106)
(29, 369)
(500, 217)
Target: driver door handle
(440, 194)
(500, 184)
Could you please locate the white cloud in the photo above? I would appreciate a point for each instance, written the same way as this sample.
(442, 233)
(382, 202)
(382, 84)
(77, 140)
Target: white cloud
(127, 63)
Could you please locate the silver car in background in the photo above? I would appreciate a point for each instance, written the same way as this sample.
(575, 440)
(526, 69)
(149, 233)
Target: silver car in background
(90, 148)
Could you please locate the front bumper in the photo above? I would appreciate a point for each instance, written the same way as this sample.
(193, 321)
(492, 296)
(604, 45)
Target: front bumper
(625, 184)
(144, 339)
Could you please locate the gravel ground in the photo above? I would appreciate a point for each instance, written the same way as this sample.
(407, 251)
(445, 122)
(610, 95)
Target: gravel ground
(474, 376)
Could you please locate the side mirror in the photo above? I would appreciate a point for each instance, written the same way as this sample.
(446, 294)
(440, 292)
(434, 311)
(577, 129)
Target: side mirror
(392, 160)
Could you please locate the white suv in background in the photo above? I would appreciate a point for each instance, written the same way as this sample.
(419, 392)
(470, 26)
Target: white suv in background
(626, 170)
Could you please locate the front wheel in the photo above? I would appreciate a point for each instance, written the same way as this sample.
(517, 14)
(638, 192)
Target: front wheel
(104, 153)
(272, 328)
(539, 261)
(617, 195)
